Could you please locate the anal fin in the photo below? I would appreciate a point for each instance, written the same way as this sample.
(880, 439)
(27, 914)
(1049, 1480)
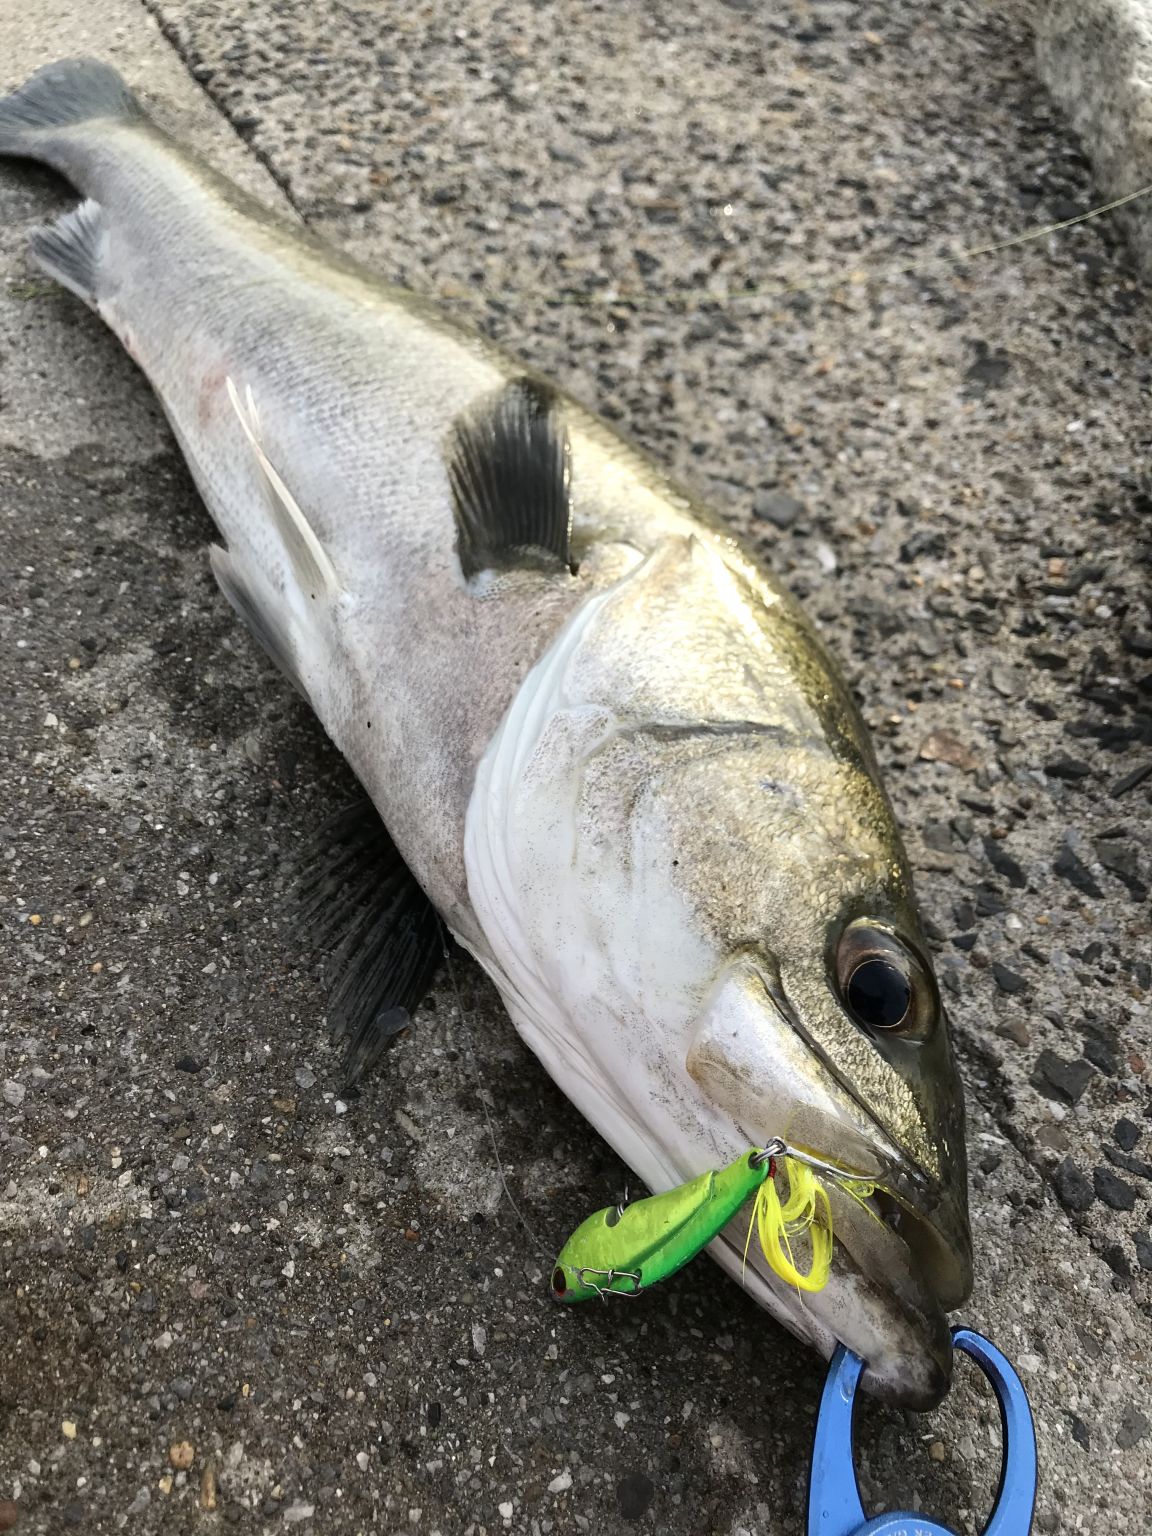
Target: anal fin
(72, 249)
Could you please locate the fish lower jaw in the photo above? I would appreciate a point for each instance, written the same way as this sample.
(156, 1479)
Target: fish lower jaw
(907, 1352)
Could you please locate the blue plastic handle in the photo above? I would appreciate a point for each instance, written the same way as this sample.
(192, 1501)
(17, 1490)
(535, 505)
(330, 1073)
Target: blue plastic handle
(834, 1507)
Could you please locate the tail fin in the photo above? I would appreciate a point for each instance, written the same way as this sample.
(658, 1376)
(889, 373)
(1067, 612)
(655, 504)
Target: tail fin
(62, 95)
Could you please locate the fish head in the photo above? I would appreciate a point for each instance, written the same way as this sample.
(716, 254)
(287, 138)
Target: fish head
(707, 932)
(824, 1026)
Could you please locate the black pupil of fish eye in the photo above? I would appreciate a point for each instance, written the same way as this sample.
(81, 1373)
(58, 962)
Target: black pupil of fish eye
(879, 994)
(559, 1281)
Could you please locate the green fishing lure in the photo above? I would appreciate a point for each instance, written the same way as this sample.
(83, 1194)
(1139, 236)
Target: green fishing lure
(624, 1249)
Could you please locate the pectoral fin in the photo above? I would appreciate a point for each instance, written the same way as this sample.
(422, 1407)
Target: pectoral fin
(310, 562)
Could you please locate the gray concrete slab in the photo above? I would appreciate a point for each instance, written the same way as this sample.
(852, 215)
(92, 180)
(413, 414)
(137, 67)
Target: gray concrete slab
(1095, 56)
(332, 1306)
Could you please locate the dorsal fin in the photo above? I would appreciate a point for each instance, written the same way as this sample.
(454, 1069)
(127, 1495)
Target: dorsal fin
(509, 468)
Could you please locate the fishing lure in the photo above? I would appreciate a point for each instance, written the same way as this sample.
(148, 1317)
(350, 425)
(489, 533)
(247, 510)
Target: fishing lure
(624, 1249)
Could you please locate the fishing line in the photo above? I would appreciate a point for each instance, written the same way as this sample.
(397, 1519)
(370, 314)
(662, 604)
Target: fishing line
(853, 275)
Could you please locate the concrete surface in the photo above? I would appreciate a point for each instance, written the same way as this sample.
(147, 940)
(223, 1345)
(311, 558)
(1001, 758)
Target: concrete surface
(1095, 56)
(330, 1309)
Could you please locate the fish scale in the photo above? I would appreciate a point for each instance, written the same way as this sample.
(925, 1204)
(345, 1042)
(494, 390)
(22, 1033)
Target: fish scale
(608, 749)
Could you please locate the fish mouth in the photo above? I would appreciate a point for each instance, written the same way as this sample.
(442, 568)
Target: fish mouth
(893, 1278)
(901, 1243)
(895, 1273)
(892, 1321)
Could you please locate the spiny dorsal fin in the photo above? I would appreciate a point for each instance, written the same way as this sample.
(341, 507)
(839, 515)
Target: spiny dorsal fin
(360, 902)
(314, 570)
(509, 468)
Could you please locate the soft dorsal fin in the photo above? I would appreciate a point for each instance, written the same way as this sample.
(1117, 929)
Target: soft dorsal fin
(314, 570)
(509, 468)
(360, 903)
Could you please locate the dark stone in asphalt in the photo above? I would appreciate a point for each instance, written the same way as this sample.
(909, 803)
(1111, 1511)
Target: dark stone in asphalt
(1069, 866)
(1008, 981)
(1004, 864)
(1122, 860)
(1073, 1190)
(1133, 1427)
(1117, 1260)
(635, 1492)
(1113, 1190)
(1071, 769)
(1126, 1133)
(779, 508)
(925, 542)
(1058, 1079)
(1079, 1431)
(1101, 1048)
(1133, 1165)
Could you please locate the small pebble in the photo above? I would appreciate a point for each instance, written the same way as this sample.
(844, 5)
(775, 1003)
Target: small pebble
(1126, 1133)
(946, 747)
(778, 508)
(181, 1455)
(1073, 1190)
(1133, 1428)
(1113, 1190)
(634, 1493)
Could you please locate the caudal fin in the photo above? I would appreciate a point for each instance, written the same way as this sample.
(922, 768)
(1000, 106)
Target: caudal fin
(61, 96)
(45, 120)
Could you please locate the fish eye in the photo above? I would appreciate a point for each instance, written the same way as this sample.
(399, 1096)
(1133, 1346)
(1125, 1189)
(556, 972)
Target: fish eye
(884, 985)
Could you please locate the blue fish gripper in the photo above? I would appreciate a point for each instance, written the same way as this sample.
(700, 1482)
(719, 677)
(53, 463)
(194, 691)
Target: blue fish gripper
(834, 1507)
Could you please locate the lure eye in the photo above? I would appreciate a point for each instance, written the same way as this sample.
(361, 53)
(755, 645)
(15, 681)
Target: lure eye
(884, 985)
(559, 1281)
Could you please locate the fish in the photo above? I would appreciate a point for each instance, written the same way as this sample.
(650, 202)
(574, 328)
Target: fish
(601, 743)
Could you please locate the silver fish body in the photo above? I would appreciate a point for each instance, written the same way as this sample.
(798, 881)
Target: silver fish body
(633, 785)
